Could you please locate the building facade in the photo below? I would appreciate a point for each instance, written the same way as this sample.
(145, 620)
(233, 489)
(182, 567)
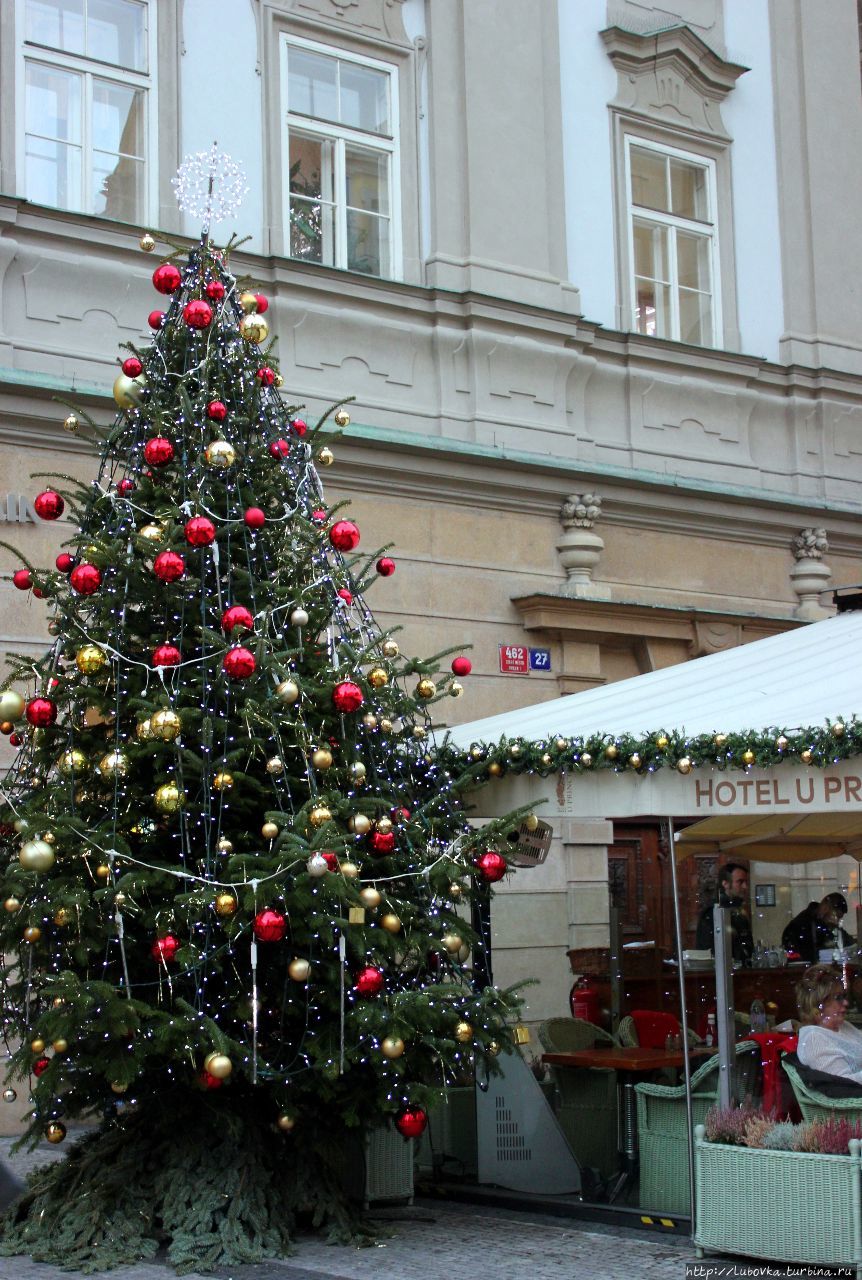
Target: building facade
(589, 267)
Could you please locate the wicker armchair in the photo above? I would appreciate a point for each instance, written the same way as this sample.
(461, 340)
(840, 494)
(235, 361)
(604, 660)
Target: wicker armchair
(817, 1106)
(586, 1096)
(663, 1133)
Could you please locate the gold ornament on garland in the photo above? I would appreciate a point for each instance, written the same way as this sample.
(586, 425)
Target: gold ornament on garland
(662, 743)
(586, 759)
(806, 756)
(342, 418)
(60, 1046)
(720, 739)
(103, 871)
(168, 798)
(495, 769)
(11, 705)
(546, 760)
(384, 825)
(89, 659)
(612, 751)
(514, 751)
(349, 870)
(684, 764)
(385, 725)
(455, 890)
(838, 729)
(165, 725)
(220, 455)
(781, 743)
(748, 756)
(635, 761)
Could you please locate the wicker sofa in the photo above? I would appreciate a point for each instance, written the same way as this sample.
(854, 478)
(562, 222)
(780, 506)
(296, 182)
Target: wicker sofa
(586, 1097)
(817, 1106)
(663, 1130)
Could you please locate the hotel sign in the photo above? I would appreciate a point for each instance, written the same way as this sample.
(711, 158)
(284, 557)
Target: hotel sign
(15, 508)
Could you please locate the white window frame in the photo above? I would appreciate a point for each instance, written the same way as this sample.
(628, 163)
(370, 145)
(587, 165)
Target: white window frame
(674, 222)
(90, 68)
(342, 134)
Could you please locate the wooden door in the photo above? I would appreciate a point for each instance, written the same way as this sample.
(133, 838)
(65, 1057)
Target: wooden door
(640, 884)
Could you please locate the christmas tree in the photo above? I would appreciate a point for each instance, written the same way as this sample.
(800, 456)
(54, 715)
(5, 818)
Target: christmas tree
(235, 880)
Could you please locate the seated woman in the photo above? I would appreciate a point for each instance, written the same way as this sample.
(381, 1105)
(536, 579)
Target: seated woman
(826, 1042)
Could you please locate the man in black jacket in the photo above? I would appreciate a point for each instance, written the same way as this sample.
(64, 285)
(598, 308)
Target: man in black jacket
(818, 928)
(733, 893)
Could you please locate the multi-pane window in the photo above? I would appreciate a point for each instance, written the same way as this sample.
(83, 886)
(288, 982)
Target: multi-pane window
(86, 105)
(673, 244)
(341, 159)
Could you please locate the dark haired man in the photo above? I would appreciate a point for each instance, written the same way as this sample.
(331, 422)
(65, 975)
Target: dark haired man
(818, 928)
(733, 893)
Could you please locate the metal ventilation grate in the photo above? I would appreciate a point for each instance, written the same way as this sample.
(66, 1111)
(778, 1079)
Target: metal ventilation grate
(511, 1143)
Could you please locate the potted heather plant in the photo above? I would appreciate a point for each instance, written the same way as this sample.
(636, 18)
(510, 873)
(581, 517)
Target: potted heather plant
(761, 1186)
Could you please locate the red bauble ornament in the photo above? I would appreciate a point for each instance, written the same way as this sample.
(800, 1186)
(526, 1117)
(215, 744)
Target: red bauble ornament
(200, 531)
(344, 535)
(237, 616)
(41, 712)
(156, 319)
(331, 860)
(269, 926)
(462, 666)
(159, 451)
(345, 595)
(386, 566)
(209, 1082)
(125, 487)
(266, 376)
(132, 366)
(198, 314)
(347, 696)
(319, 516)
(38, 593)
(15, 739)
(216, 411)
(166, 278)
(400, 814)
(49, 505)
(85, 579)
(369, 982)
(239, 663)
(382, 841)
(64, 562)
(165, 948)
(279, 448)
(169, 566)
(255, 518)
(215, 291)
(166, 655)
(262, 303)
(298, 426)
(40, 1066)
(22, 579)
(491, 866)
(411, 1122)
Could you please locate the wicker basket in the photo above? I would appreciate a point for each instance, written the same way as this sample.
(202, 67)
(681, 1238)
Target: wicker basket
(380, 1167)
(782, 1205)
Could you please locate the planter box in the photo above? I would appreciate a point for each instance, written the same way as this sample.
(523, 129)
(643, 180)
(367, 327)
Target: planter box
(782, 1205)
(379, 1167)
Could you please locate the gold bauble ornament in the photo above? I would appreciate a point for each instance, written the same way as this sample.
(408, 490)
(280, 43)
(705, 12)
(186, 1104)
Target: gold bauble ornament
(57, 1001)
(103, 871)
(369, 720)
(72, 763)
(49, 837)
(514, 752)
(359, 824)
(12, 905)
(662, 743)
(165, 725)
(838, 729)
(169, 798)
(278, 380)
(319, 815)
(90, 658)
(119, 899)
(720, 739)
(464, 1032)
(546, 760)
(118, 1087)
(248, 302)
(144, 731)
(11, 705)
(452, 942)
(220, 455)
(223, 845)
(806, 756)
(62, 917)
(531, 822)
(389, 648)
(325, 456)
(147, 242)
(286, 1122)
(748, 756)
(115, 764)
(322, 758)
(71, 423)
(151, 532)
(275, 766)
(55, 1132)
(391, 923)
(225, 904)
(349, 870)
(781, 742)
(392, 1047)
(378, 677)
(455, 889)
(254, 328)
(37, 1045)
(385, 725)
(342, 418)
(218, 1065)
(60, 1046)
(635, 760)
(32, 934)
(684, 764)
(425, 689)
(455, 689)
(358, 770)
(384, 825)
(269, 831)
(561, 744)
(370, 897)
(287, 691)
(586, 759)
(223, 781)
(299, 969)
(128, 391)
(492, 1048)
(36, 855)
(612, 751)
(495, 769)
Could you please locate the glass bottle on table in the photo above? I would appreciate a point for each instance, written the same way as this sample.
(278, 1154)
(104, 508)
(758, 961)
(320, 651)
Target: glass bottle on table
(758, 1017)
(709, 1040)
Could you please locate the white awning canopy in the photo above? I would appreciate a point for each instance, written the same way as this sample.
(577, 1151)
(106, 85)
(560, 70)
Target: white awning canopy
(794, 680)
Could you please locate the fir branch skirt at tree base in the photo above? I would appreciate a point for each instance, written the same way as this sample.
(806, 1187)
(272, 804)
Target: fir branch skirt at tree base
(236, 878)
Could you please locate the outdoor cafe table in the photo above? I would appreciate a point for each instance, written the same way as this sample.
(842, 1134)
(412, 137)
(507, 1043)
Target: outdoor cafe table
(631, 1065)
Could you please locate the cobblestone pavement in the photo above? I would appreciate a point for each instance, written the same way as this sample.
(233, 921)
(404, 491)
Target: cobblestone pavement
(433, 1239)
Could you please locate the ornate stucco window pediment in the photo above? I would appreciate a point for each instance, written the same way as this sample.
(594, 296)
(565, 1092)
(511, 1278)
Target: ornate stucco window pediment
(671, 76)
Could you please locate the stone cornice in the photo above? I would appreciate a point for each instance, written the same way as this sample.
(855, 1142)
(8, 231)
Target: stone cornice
(676, 47)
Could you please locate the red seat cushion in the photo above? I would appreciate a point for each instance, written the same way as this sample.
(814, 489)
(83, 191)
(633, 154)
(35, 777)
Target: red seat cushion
(654, 1027)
